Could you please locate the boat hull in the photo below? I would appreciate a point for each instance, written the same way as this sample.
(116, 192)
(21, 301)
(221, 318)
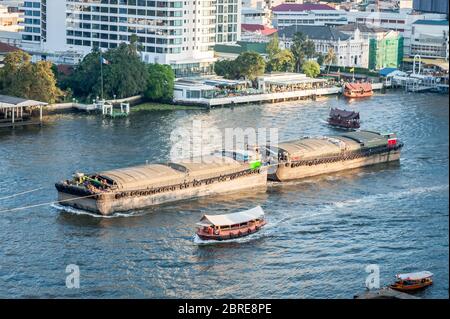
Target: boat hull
(285, 172)
(414, 287)
(110, 202)
(228, 235)
(357, 94)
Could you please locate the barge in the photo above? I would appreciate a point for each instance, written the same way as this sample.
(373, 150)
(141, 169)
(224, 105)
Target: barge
(308, 156)
(152, 184)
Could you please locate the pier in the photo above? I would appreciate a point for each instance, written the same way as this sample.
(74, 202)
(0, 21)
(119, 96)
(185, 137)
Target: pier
(271, 88)
(15, 111)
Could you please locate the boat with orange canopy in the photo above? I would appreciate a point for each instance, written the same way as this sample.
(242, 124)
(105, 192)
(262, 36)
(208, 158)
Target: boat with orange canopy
(231, 226)
(355, 90)
(413, 281)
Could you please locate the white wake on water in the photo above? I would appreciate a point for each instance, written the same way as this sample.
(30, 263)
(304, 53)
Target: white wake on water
(77, 211)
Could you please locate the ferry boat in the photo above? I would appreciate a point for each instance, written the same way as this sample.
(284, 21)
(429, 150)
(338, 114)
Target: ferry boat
(413, 281)
(152, 184)
(343, 119)
(231, 226)
(311, 156)
(355, 90)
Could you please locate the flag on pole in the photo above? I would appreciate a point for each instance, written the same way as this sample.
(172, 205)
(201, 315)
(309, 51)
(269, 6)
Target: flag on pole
(104, 61)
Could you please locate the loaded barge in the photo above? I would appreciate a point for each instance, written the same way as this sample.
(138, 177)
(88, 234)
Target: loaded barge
(152, 184)
(308, 157)
(226, 171)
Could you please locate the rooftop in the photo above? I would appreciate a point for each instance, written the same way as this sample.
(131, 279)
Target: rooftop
(258, 28)
(301, 7)
(362, 27)
(7, 48)
(314, 32)
(432, 22)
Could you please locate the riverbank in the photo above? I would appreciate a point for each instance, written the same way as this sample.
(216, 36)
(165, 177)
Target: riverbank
(151, 106)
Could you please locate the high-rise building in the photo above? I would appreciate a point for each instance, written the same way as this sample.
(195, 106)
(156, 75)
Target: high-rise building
(181, 33)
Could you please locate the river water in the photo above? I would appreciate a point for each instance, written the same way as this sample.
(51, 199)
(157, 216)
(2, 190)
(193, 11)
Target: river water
(322, 232)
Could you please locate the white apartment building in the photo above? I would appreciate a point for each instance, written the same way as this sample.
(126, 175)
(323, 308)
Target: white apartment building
(175, 32)
(351, 51)
(429, 39)
(287, 14)
(256, 12)
(10, 21)
(400, 21)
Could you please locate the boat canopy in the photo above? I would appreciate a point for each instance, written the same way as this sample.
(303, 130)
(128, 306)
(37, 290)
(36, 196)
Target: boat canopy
(367, 138)
(232, 219)
(350, 115)
(415, 275)
(207, 166)
(136, 177)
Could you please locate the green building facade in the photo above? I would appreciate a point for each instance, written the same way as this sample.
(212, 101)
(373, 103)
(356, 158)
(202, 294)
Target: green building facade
(386, 52)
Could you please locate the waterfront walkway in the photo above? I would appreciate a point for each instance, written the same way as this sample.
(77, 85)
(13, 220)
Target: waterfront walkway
(267, 97)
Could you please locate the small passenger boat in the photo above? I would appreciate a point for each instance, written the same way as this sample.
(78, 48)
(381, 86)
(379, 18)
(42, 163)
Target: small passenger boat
(354, 90)
(231, 226)
(343, 119)
(413, 281)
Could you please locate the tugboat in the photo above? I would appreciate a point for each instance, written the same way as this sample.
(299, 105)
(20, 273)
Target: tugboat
(413, 281)
(344, 119)
(356, 90)
(231, 226)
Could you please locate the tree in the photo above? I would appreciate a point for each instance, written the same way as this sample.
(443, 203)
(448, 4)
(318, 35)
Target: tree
(19, 77)
(273, 47)
(283, 61)
(311, 68)
(124, 74)
(330, 58)
(160, 83)
(302, 48)
(250, 65)
(226, 69)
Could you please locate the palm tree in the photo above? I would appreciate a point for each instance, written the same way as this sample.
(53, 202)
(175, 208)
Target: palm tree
(329, 58)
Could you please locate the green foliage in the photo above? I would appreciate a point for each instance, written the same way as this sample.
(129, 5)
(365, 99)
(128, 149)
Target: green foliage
(273, 47)
(250, 65)
(160, 83)
(311, 68)
(283, 61)
(330, 58)
(226, 69)
(19, 77)
(302, 48)
(124, 76)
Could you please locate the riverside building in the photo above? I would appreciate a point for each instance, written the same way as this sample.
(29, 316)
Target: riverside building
(179, 33)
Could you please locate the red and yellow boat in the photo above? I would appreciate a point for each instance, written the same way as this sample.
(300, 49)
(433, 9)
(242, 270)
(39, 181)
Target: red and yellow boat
(231, 226)
(356, 90)
(413, 281)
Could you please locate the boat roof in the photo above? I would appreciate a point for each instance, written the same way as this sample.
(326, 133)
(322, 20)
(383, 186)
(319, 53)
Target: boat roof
(367, 138)
(317, 146)
(234, 218)
(153, 175)
(142, 176)
(415, 275)
(207, 165)
(358, 86)
(344, 113)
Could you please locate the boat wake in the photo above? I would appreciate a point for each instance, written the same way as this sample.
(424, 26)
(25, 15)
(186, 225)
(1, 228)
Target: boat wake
(394, 195)
(76, 211)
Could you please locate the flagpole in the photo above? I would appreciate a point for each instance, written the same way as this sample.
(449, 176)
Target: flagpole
(101, 72)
